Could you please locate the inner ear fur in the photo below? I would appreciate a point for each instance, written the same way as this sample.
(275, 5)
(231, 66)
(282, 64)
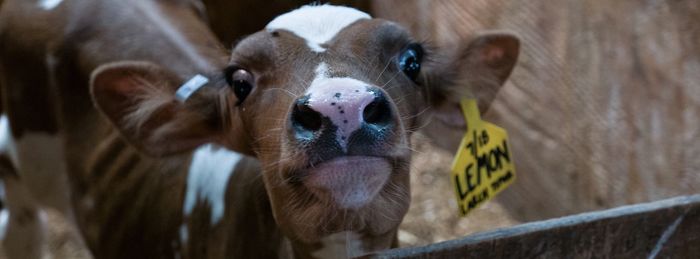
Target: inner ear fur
(477, 69)
(138, 98)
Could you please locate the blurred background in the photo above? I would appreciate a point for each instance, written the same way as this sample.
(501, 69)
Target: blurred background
(603, 108)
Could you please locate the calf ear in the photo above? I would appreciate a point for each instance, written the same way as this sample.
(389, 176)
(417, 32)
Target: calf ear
(138, 98)
(477, 70)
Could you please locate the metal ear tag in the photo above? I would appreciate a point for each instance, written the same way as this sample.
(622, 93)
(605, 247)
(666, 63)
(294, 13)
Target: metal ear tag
(189, 87)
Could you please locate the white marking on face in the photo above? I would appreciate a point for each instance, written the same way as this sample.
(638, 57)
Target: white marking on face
(208, 176)
(321, 72)
(317, 24)
(49, 4)
(345, 244)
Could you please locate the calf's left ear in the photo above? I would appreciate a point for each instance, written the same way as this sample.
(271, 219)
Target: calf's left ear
(138, 98)
(476, 70)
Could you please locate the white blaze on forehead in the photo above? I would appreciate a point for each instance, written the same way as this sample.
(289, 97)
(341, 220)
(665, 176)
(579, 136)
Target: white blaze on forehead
(49, 4)
(317, 24)
(207, 179)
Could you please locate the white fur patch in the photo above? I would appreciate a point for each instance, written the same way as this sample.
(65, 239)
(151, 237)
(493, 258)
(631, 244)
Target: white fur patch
(321, 72)
(7, 144)
(208, 176)
(49, 4)
(317, 24)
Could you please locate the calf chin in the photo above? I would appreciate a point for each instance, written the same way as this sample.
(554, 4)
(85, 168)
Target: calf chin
(348, 182)
(365, 195)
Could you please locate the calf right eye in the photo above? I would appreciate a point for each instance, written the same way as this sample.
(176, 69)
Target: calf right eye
(241, 81)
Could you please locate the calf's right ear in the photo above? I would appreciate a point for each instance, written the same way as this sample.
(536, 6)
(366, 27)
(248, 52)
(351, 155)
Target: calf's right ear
(138, 98)
(478, 70)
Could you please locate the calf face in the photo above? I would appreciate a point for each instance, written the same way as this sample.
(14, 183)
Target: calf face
(326, 98)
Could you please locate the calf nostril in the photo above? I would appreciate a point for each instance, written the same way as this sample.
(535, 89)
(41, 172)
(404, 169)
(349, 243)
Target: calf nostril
(378, 111)
(305, 117)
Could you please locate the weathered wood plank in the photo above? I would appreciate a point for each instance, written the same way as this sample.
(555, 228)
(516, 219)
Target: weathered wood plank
(663, 229)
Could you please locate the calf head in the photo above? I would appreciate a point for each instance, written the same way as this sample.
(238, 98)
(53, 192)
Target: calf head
(326, 98)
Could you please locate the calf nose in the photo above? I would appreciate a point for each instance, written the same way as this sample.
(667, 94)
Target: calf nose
(341, 106)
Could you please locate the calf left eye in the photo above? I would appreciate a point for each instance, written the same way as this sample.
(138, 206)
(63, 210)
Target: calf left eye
(410, 59)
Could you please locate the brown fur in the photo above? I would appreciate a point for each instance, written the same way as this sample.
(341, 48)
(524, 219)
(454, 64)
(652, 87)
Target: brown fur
(128, 155)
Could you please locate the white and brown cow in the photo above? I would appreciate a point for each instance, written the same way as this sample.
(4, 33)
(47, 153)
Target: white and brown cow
(298, 146)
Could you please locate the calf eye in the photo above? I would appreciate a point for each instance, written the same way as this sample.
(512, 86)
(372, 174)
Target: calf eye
(409, 60)
(241, 81)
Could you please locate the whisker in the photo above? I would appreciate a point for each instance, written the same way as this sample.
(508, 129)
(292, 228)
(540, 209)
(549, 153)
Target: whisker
(290, 93)
(383, 70)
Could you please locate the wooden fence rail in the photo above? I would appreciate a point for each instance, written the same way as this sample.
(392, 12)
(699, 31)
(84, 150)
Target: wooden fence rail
(663, 229)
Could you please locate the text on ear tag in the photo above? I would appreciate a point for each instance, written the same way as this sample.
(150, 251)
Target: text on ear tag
(483, 165)
(190, 87)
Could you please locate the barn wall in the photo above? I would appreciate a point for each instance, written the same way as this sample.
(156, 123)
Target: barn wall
(604, 106)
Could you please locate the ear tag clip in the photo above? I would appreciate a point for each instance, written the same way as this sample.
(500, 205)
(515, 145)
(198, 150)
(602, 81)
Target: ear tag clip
(483, 165)
(189, 87)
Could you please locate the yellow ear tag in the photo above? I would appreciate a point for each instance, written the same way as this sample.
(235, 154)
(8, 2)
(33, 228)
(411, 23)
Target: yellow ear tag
(483, 165)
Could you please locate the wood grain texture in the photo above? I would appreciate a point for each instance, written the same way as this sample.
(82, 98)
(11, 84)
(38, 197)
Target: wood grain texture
(662, 229)
(603, 108)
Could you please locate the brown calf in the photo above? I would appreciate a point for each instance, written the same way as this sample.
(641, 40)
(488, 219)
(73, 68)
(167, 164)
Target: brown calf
(325, 100)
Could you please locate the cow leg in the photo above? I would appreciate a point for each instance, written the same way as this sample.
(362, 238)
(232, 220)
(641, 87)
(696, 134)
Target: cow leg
(35, 147)
(24, 228)
(22, 223)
